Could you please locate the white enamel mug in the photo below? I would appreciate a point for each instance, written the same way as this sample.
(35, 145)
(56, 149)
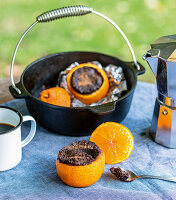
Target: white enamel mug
(10, 141)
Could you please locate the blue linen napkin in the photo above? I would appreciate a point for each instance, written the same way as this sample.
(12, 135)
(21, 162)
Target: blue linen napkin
(36, 178)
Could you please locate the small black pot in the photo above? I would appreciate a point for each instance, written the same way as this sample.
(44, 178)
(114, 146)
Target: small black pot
(72, 121)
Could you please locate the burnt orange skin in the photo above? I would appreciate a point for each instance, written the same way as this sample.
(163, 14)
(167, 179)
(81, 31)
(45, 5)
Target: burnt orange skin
(81, 176)
(57, 96)
(95, 96)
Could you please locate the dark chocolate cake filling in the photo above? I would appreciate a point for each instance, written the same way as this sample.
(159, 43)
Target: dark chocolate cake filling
(79, 153)
(86, 80)
(119, 173)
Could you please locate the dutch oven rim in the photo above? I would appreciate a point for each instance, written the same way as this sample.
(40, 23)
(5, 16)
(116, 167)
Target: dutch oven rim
(26, 94)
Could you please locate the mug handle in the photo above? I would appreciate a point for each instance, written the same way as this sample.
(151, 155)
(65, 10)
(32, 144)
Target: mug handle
(32, 131)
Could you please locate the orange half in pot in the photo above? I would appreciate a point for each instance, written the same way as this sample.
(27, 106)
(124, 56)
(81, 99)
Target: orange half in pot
(88, 83)
(57, 96)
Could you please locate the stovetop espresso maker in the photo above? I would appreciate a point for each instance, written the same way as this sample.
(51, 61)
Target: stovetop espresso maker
(162, 61)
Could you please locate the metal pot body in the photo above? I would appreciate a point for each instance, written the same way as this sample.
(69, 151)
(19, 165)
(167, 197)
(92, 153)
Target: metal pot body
(72, 121)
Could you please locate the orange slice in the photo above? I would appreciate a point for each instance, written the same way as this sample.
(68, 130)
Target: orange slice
(115, 140)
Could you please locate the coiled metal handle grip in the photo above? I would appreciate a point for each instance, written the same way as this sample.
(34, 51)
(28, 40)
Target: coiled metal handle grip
(63, 13)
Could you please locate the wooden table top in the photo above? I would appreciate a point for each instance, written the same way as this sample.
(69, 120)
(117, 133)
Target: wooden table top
(4, 90)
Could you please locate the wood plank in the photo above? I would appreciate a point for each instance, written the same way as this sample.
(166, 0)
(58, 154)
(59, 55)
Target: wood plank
(172, 57)
(4, 90)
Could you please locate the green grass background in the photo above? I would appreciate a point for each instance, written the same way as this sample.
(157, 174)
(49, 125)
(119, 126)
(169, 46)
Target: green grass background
(143, 21)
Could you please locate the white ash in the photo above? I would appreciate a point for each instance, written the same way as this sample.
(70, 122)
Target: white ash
(117, 83)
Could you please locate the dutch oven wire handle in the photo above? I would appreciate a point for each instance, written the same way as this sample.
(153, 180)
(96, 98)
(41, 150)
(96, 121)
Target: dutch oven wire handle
(63, 13)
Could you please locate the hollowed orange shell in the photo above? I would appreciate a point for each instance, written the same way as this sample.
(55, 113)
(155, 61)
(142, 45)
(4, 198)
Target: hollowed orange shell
(81, 176)
(95, 96)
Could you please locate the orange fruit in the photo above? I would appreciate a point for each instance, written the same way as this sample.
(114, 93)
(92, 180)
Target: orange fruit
(115, 140)
(94, 96)
(57, 96)
(80, 166)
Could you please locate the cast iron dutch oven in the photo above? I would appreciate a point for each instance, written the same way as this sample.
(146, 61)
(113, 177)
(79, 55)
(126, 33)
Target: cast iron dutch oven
(72, 121)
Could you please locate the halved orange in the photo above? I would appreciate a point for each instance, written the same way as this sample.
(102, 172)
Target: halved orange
(115, 140)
